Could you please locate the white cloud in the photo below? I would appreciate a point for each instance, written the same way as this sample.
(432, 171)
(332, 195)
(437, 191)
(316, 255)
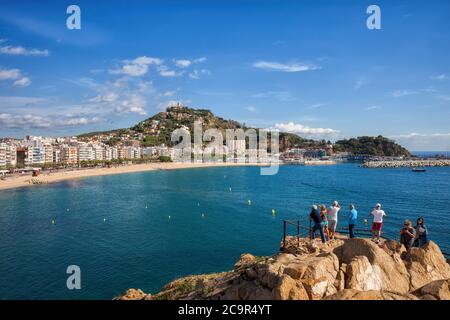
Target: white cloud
(317, 105)
(440, 77)
(23, 121)
(185, 63)
(164, 71)
(251, 109)
(9, 74)
(402, 93)
(13, 102)
(16, 76)
(443, 97)
(424, 142)
(133, 104)
(300, 129)
(361, 82)
(196, 74)
(22, 82)
(137, 67)
(26, 121)
(21, 51)
(282, 96)
(107, 97)
(283, 67)
(370, 108)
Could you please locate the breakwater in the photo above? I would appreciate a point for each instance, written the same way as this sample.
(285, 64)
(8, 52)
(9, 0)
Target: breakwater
(406, 163)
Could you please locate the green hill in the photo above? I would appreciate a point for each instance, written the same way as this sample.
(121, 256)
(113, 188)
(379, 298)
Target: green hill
(157, 130)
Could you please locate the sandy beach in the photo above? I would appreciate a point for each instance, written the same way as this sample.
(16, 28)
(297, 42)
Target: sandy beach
(46, 177)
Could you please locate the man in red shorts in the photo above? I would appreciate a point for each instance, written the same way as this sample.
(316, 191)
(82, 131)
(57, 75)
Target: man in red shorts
(378, 215)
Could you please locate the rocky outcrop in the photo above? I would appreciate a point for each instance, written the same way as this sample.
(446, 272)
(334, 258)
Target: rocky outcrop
(352, 294)
(384, 266)
(342, 269)
(134, 294)
(435, 290)
(426, 264)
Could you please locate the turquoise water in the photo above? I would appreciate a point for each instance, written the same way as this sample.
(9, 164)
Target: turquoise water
(209, 226)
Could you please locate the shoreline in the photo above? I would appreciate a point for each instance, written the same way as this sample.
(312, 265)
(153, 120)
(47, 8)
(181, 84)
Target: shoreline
(49, 178)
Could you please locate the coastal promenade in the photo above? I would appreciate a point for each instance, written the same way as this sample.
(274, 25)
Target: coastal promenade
(406, 163)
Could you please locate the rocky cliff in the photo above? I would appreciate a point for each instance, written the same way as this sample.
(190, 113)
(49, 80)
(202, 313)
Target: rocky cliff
(345, 269)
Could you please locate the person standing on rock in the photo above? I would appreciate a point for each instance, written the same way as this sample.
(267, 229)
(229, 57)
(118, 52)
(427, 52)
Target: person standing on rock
(323, 215)
(421, 232)
(378, 215)
(352, 218)
(333, 218)
(318, 223)
(407, 234)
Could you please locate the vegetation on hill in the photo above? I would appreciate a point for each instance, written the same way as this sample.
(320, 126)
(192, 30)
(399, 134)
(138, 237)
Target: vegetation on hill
(375, 146)
(157, 130)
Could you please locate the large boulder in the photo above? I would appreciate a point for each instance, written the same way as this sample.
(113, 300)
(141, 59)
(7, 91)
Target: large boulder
(426, 264)
(390, 271)
(361, 275)
(352, 294)
(436, 290)
(289, 289)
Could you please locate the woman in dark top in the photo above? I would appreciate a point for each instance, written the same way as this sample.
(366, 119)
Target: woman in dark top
(318, 223)
(421, 232)
(407, 234)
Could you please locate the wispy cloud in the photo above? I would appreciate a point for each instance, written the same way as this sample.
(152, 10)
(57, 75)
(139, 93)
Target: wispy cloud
(402, 93)
(251, 108)
(439, 77)
(16, 76)
(371, 108)
(424, 141)
(361, 82)
(185, 63)
(282, 96)
(284, 67)
(137, 67)
(197, 74)
(32, 121)
(21, 51)
(316, 106)
(300, 129)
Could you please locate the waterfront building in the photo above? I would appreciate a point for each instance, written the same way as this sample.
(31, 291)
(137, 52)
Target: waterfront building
(85, 153)
(56, 155)
(69, 155)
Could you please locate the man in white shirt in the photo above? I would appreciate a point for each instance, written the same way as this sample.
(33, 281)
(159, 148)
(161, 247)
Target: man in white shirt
(333, 218)
(378, 215)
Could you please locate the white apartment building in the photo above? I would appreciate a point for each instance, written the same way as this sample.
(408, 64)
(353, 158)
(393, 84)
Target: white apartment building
(48, 153)
(99, 153)
(56, 155)
(85, 153)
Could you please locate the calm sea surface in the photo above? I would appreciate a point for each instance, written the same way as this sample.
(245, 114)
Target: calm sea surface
(165, 224)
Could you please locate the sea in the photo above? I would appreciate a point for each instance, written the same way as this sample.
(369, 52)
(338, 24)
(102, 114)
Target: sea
(143, 230)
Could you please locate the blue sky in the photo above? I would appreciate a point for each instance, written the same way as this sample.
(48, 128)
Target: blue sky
(310, 67)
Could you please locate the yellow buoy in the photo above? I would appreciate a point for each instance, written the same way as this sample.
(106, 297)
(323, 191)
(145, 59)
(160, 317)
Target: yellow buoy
(249, 202)
(365, 222)
(273, 212)
(53, 221)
